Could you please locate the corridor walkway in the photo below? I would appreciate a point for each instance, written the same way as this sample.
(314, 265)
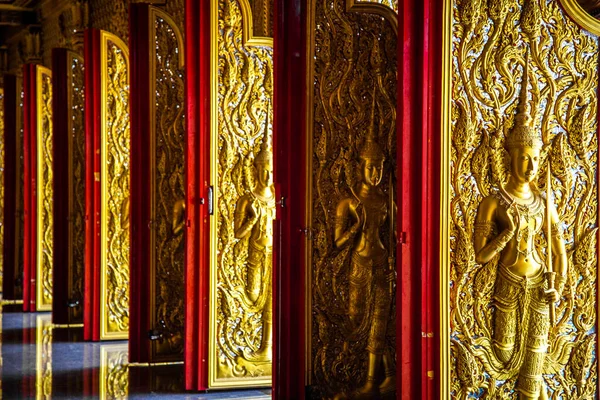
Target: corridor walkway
(39, 361)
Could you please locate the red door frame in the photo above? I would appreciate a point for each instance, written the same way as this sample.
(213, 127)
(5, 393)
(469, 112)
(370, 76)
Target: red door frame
(29, 192)
(91, 296)
(197, 78)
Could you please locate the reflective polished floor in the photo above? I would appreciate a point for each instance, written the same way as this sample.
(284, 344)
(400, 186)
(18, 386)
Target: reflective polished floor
(39, 361)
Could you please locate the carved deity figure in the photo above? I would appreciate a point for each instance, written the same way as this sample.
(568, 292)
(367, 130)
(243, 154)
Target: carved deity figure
(359, 221)
(506, 226)
(254, 215)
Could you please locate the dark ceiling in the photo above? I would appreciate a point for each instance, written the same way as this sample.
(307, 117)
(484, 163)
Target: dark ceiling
(15, 16)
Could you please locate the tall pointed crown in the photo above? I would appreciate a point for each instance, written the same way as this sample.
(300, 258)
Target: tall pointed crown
(265, 155)
(371, 149)
(523, 133)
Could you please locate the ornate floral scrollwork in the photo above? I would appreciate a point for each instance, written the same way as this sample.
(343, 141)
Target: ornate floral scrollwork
(487, 71)
(44, 191)
(352, 111)
(78, 186)
(169, 147)
(116, 182)
(241, 262)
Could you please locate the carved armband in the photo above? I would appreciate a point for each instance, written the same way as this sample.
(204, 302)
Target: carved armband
(485, 229)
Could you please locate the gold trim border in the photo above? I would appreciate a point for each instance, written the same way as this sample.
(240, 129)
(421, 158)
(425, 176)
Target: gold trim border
(445, 201)
(40, 72)
(213, 382)
(248, 38)
(105, 37)
(581, 17)
(374, 8)
(155, 13)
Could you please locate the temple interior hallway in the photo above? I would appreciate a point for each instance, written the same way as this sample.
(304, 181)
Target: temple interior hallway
(42, 361)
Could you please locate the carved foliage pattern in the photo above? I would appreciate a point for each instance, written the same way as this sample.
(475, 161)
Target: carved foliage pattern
(44, 356)
(170, 165)
(117, 190)
(355, 62)
(78, 182)
(114, 372)
(45, 190)
(244, 91)
(490, 41)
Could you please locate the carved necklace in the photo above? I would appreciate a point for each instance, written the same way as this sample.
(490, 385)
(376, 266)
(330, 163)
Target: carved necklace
(527, 213)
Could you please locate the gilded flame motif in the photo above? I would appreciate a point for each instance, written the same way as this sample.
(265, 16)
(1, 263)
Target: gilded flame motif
(352, 163)
(116, 187)
(242, 320)
(169, 140)
(44, 192)
(499, 321)
(77, 188)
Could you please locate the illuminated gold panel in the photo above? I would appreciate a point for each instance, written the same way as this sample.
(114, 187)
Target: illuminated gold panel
(241, 228)
(43, 368)
(351, 129)
(168, 180)
(495, 322)
(76, 185)
(114, 371)
(115, 187)
(44, 187)
(1, 183)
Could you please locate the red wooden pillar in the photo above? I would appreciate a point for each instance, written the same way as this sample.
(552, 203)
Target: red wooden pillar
(289, 152)
(13, 189)
(419, 140)
(197, 55)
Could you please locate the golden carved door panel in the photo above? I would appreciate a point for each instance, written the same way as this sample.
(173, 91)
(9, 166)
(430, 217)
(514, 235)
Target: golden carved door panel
(106, 305)
(519, 167)
(241, 241)
(167, 151)
(351, 160)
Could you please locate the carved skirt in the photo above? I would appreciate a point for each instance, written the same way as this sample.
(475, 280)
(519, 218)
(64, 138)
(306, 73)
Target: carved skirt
(521, 326)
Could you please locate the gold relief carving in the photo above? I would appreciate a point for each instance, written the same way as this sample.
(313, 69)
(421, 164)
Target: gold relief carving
(176, 9)
(241, 231)
(262, 17)
(44, 190)
(43, 327)
(76, 187)
(2, 194)
(523, 96)
(352, 142)
(115, 182)
(72, 23)
(585, 13)
(114, 371)
(168, 186)
(388, 9)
